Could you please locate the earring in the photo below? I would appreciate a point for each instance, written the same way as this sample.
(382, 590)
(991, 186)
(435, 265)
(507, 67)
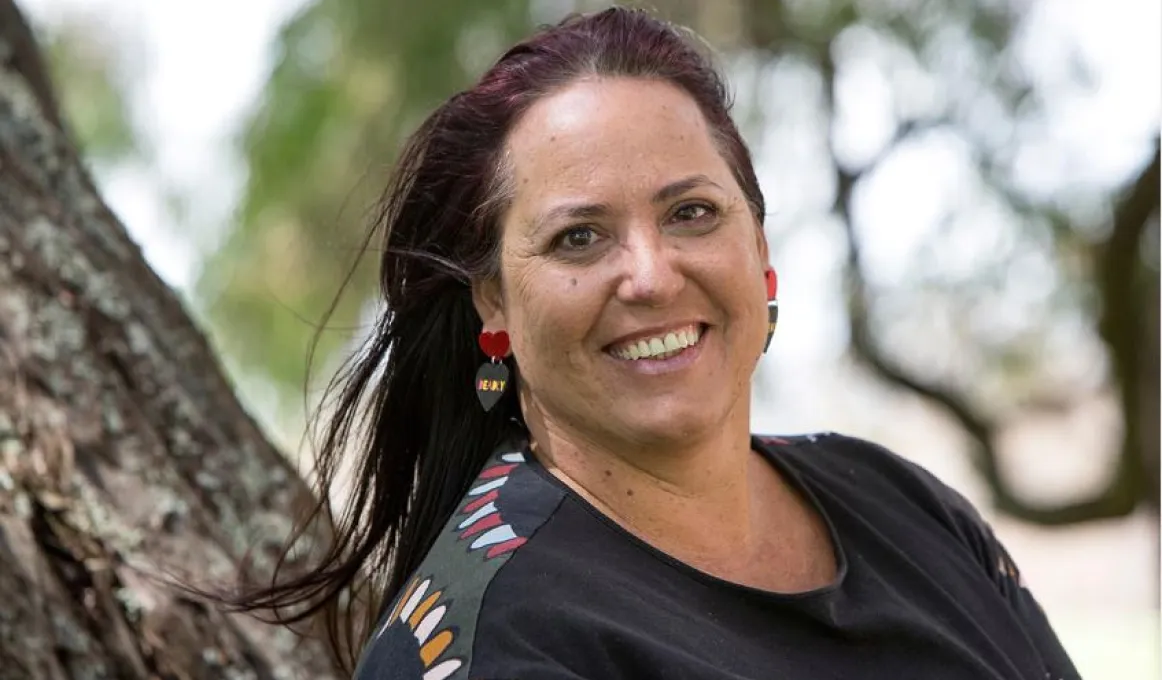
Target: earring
(772, 305)
(492, 376)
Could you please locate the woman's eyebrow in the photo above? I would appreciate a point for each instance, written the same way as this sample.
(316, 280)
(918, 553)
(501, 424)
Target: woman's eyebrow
(583, 211)
(675, 189)
(575, 211)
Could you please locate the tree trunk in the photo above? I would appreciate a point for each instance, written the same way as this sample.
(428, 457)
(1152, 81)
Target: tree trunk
(124, 454)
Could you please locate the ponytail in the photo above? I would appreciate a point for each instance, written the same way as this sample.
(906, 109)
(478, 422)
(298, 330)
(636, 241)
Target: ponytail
(403, 409)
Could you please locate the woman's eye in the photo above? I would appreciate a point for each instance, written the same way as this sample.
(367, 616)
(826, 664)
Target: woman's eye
(693, 211)
(577, 238)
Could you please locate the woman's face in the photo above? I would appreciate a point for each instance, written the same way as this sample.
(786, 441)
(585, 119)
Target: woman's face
(627, 240)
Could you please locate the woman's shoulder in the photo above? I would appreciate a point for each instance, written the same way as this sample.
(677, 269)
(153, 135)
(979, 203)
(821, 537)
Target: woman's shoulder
(430, 628)
(884, 488)
(868, 473)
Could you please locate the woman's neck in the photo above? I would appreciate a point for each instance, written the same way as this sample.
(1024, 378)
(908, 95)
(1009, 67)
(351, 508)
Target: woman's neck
(694, 498)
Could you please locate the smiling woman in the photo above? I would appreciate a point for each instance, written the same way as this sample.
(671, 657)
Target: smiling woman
(588, 214)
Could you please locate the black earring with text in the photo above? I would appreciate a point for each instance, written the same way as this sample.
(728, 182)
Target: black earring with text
(772, 306)
(492, 376)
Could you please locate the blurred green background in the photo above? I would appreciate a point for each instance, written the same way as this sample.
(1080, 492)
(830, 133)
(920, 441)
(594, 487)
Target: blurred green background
(964, 214)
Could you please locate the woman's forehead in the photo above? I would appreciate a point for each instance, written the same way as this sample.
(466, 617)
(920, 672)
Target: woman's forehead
(628, 135)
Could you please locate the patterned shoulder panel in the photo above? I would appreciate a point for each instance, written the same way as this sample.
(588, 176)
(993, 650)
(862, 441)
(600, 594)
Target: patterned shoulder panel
(429, 630)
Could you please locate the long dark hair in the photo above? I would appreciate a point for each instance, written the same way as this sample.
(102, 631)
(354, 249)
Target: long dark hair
(404, 406)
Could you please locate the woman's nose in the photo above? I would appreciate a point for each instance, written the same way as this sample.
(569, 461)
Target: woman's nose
(651, 276)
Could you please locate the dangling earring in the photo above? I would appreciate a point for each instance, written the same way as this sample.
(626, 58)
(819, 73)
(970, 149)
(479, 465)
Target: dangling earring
(772, 306)
(492, 377)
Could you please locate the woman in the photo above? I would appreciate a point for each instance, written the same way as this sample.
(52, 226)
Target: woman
(588, 216)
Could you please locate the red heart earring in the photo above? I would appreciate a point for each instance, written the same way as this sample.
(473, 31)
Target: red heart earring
(772, 305)
(492, 376)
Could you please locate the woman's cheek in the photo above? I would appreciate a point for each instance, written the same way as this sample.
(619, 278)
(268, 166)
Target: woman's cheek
(543, 320)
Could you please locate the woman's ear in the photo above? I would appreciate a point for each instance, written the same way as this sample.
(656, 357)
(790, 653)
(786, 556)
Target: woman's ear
(489, 302)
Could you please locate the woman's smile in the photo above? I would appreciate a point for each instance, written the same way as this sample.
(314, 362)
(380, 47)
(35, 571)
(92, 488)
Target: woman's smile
(659, 350)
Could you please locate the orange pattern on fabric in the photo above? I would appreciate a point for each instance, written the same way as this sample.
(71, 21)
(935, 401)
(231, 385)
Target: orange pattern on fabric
(418, 614)
(433, 648)
(407, 594)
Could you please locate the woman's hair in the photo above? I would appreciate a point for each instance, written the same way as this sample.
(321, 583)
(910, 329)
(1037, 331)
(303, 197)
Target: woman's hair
(403, 407)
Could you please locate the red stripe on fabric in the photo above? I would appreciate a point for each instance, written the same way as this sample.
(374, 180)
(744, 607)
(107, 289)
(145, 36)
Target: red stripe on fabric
(507, 546)
(482, 524)
(497, 471)
(480, 502)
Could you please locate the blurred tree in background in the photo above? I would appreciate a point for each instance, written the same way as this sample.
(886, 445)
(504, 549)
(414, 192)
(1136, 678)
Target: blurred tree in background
(993, 315)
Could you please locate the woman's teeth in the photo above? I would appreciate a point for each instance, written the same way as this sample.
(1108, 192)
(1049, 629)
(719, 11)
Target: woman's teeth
(659, 347)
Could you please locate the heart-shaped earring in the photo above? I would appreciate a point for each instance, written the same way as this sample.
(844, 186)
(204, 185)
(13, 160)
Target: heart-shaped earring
(495, 345)
(492, 376)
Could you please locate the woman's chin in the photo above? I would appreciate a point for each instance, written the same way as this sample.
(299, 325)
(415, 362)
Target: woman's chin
(669, 419)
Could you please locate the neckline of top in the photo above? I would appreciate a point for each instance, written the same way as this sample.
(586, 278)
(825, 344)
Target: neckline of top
(769, 450)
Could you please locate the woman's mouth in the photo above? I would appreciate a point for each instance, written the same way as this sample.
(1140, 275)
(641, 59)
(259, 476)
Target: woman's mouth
(664, 345)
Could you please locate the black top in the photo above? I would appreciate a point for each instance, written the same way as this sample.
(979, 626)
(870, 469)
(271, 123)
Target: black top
(528, 580)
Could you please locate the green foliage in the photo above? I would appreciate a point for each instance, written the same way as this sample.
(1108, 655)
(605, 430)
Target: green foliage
(352, 79)
(90, 78)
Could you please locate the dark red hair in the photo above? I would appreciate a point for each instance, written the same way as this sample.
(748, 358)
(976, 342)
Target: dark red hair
(404, 405)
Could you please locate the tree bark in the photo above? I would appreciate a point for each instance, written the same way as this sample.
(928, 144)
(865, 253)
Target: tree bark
(125, 457)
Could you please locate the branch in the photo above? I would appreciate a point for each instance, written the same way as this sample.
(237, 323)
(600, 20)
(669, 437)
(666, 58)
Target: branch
(1110, 502)
(1121, 326)
(1116, 500)
(1121, 250)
